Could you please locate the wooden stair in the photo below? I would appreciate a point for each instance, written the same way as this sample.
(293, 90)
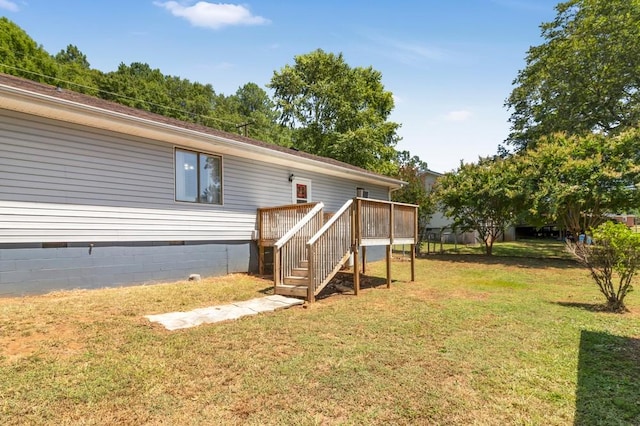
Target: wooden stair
(297, 284)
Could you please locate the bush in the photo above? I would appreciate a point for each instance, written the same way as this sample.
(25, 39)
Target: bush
(615, 253)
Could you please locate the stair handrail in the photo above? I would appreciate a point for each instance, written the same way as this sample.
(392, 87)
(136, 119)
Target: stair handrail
(289, 251)
(298, 226)
(325, 262)
(330, 222)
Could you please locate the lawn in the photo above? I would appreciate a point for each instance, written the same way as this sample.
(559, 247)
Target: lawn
(508, 340)
(541, 248)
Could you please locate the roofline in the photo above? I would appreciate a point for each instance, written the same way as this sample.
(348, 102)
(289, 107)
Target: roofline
(433, 172)
(23, 100)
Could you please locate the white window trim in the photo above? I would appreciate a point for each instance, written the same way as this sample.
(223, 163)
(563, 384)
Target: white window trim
(192, 203)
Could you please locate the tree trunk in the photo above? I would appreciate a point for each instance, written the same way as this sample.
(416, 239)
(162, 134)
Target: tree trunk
(488, 247)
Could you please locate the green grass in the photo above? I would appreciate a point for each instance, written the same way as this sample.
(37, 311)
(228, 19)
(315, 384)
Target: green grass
(520, 248)
(508, 340)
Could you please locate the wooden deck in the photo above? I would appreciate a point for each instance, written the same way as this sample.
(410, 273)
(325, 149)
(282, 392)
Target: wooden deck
(310, 246)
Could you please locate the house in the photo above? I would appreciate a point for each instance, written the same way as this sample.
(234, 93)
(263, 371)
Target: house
(440, 228)
(628, 219)
(94, 193)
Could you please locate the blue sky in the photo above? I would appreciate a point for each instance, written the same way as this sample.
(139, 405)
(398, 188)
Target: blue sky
(449, 63)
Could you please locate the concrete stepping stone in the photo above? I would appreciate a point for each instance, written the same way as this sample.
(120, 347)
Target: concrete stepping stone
(179, 320)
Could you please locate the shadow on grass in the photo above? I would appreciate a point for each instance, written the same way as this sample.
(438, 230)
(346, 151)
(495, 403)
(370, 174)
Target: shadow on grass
(591, 307)
(522, 262)
(266, 290)
(608, 390)
(342, 283)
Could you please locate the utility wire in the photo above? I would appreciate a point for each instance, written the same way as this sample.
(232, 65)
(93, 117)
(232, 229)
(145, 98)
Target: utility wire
(118, 95)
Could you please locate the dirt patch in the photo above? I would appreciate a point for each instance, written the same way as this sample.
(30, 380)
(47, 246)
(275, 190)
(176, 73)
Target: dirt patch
(61, 342)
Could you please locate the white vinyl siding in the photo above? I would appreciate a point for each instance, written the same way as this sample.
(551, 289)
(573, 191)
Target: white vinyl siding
(67, 183)
(39, 222)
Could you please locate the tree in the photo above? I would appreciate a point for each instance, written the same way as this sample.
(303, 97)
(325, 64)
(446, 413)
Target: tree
(75, 72)
(615, 252)
(251, 112)
(410, 170)
(73, 55)
(140, 86)
(337, 111)
(584, 78)
(484, 197)
(576, 180)
(23, 57)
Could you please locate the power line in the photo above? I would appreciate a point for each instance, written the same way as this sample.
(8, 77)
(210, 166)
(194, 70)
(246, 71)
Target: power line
(118, 95)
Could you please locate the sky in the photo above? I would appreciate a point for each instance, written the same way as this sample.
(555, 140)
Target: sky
(450, 64)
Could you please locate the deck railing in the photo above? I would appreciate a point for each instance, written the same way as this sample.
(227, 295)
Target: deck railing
(326, 247)
(291, 249)
(274, 222)
(384, 222)
(405, 224)
(329, 248)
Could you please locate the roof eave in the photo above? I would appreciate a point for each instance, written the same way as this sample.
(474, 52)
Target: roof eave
(17, 99)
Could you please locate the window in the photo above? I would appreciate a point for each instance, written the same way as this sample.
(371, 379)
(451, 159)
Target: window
(362, 193)
(198, 177)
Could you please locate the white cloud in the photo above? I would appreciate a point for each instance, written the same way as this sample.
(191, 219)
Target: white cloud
(212, 15)
(9, 5)
(458, 116)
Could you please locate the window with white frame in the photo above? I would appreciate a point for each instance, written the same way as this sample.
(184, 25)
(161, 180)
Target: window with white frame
(198, 177)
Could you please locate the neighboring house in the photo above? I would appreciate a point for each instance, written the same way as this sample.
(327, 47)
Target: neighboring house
(94, 193)
(627, 219)
(440, 226)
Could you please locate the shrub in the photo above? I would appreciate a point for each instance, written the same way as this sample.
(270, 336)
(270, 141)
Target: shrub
(615, 253)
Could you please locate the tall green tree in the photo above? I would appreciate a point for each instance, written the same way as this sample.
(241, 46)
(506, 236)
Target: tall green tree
(584, 78)
(576, 180)
(250, 112)
(21, 56)
(140, 86)
(75, 72)
(73, 55)
(337, 111)
(485, 197)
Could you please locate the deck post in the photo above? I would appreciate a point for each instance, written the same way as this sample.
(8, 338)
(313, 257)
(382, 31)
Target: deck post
(364, 260)
(416, 239)
(310, 277)
(355, 229)
(413, 262)
(276, 268)
(260, 258)
(356, 270)
(392, 224)
(260, 244)
(388, 256)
